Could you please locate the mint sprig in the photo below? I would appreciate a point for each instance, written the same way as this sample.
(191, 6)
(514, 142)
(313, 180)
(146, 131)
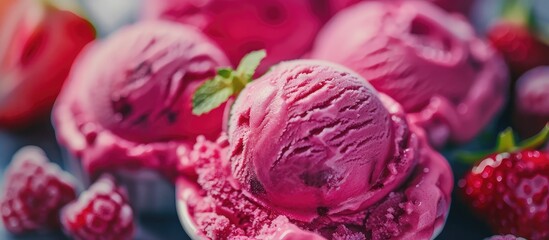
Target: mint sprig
(228, 82)
(506, 143)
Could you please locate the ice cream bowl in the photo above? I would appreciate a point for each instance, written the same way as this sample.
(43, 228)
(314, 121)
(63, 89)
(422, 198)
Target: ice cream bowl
(275, 173)
(189, 193)
(192, 232)
(184, 191)
(187, 190)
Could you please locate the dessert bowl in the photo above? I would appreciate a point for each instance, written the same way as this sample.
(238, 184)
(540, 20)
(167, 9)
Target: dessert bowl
(313, 151)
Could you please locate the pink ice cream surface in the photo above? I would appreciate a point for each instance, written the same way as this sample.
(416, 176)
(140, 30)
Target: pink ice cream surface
(460, 6)
(427, 60)
(314, 146)
(286, 29)
(129, 97)
(301, 112)
(531, 111)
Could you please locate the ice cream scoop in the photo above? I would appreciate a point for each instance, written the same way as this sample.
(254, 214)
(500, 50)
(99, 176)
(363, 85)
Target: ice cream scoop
(286, 29)
(136, 86)
(531, 109)
(127, 104)
(144, 93)
(315, 126)
(448, 80)
(462, 6)
(314, 151)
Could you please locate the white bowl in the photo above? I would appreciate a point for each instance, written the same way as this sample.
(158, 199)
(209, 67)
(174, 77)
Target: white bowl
(182, 195)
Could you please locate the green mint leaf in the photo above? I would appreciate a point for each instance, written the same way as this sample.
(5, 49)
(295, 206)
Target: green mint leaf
(210, 95)
(248, 65)
(225, 72)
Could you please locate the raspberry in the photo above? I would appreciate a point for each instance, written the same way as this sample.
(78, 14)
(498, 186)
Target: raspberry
(101, 212)
(35, 191)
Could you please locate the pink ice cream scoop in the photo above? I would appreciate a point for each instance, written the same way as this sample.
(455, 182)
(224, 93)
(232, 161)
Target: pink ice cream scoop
(531, 110)
(459, 6)
(462, 6)
(286, 29)
(324, 132)
(448, 80)
(313, 151)
(128, 100)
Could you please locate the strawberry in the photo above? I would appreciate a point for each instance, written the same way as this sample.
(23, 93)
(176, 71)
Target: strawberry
(506, 237)
(38, 44)
(510, 187)
(515, 37)
(520, 47)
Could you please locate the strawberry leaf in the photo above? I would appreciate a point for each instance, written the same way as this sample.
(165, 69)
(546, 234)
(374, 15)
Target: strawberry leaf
(506, 141)
(536, 141)
(472, 157)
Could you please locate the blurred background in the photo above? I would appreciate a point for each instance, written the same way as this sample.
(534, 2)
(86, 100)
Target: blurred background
(39, 40)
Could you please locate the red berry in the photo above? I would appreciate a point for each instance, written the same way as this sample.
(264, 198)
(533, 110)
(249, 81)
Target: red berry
(35, 191)
(506, 237)
(37, 60)
(101, 212)
(511, 192)
(521, 49)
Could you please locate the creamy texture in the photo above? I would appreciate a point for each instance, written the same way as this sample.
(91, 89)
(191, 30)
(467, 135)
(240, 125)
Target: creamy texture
(215, 206)
(531, 110)
(326, 141)
(128, 99)
(286, 29)
(150, 85)
(460, 6)
(450, 82)
(295, 181)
